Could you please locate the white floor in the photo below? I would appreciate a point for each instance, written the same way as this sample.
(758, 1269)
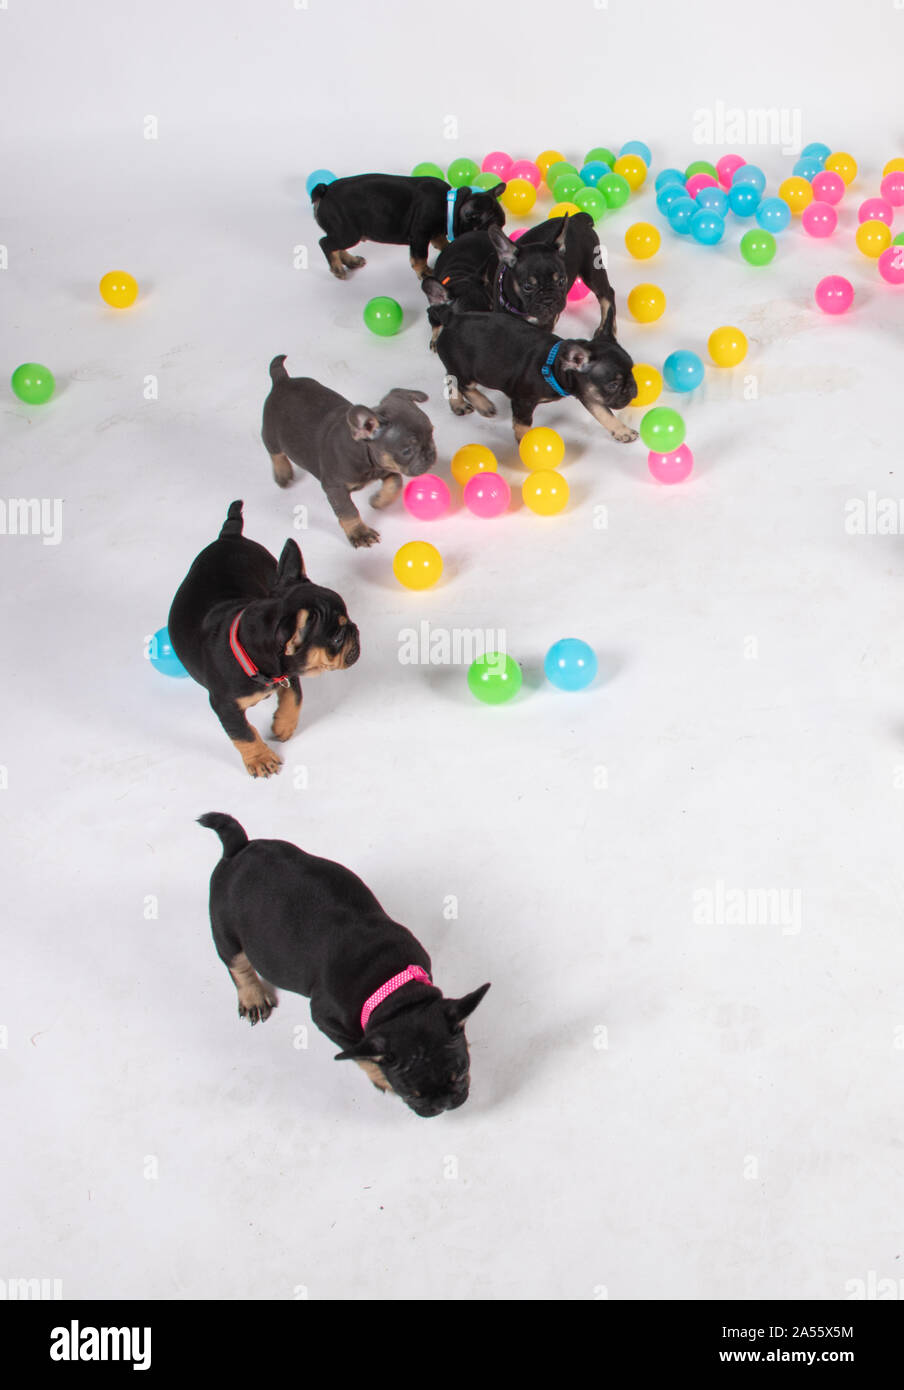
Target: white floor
(660, 1108)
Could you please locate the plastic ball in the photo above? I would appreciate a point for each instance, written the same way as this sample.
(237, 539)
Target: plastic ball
(662, 429)
(807, 168)
(727, 346)
(749, 173)
(876, 210)
(898, 240)
(828, 187)
(566, 186)
(744, 199)
(680, 213)
(816, 150)
(563, 210)
(417, 565)
(497, 162)
(471, 459)
(494, 678)
(631, 168)
(118, 288)
(570, 664)
(666, 176)
(701, 166)
(591, 173)
(592, 201)
(842, 163)
(834, 294)
(383, 316)
(698, 181)
(713, 199)
(518, 197)
(642, 240)
(487, 495)
(893, 166)
(648, 382)
(669, 195)
(578, 291)
(891, 265)
(819, 219)
(526, 169)
(320, 176)
(773, 214)
(428, 170)
(757, 247)
(547, 158)
(646, 303)
(558, 171)
(872, 238)
(673, 467)
(541, 448)
(163, 658)
(461, 172)
(615, 189)
(892, 188)
(682, 370)
(545, 492)
(726, 168)
(33, 383)
(484, 182)
(708, 228)
(639, 148)
(426, 497)
(600, 154)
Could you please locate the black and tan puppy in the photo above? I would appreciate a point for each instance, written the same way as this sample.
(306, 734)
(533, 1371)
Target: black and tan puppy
(412, 212)
(530, 277)
(531, 366)
(345, 446)
(284, 918)
(245, 627)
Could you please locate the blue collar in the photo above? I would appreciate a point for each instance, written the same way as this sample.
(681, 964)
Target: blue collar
(546, 371)
(450, 213)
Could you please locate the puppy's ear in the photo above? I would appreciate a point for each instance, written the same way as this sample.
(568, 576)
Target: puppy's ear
(368, 1049)
(402, 393)
(291, 631)
(506, 250)
(574, 357)
(498, 191)
(561, 236)
(435, 291)
(290, 569)
(607, 327)
(363, 422)
(457, 1010)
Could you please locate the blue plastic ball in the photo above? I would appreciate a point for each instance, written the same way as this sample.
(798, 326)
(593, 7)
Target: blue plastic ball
(637, 147)
(593, 172)
(707, 227)
(668, 176)
(162, 657)
(807, 168)
(570, 664)
(773, 214)
(749, 173)
(669, 194)
(744, 199)
(680, 214)
(682, 370)
(713, 200)
(318, 176)
(816, 150)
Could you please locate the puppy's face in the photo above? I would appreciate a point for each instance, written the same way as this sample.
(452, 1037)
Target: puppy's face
(400, 434)
(481, 210)
(604, 370)
(316, 632)
(537, 276)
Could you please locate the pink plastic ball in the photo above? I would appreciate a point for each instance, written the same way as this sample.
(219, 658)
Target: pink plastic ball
(891, 265)
(497, 162)
(525, 169)
(673, 467)
(892, 188)
(518, 232)
(487, 494)
(834, 294)
(828, 187)
(819, 219)
(426, 497)
(578, 291)
(698, 181)
(726, 166)
(876, 210)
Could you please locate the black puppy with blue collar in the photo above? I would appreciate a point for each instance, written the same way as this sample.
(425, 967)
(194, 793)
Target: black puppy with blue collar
(414, 211)
(531, 366)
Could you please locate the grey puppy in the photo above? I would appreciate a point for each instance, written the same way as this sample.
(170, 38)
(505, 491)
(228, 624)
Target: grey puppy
(345, 446)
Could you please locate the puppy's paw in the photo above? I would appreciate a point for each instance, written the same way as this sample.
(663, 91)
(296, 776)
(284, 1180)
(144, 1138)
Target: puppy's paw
(262, 761)
(339, 271)
(355, 262)
(624, 434)
(283, 727)
(461, 407)
(256, 1003)
(362, 535)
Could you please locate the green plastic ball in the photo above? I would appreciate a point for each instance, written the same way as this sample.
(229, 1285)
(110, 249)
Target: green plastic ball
(898, 240)
(493, 679)
(33, 383)
(383, 316)
(615, 189)
(757, 246)
(558, 171)
(701, 166)
(565, 187)
(600, 153)
(461, 172)
(591, 200)
(662, 429)
(427, 171)
(487, 180)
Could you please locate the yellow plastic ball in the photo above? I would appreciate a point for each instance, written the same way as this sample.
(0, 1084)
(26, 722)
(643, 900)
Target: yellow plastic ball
(118, 288)
(471, 459)
(649, 383)
(632, 168)
(727, 346)
(547, 159)
(873, 238)
(642, 240)
(563, 210)
(417, 565)
(843, 164)
(646, 303)
(519, 197)
(545, 492)
(894, 166)
(542, 448)
(797, 193)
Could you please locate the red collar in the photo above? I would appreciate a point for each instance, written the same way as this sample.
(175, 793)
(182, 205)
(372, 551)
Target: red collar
(407, 976)
(244, 660)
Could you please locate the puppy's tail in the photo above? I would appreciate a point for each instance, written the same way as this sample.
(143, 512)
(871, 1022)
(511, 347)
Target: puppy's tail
(234, 522)
(278, 369)
(228, 829)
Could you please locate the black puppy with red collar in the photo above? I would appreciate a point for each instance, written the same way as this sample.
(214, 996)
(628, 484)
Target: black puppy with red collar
(245, 627)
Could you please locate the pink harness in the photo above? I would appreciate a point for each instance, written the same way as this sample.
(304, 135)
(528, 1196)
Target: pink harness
(410, 974)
